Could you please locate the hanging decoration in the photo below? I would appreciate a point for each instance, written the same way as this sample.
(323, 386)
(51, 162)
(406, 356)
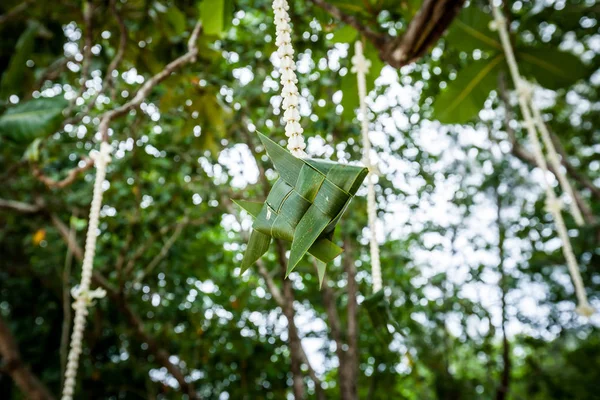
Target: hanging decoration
(553, 204)
(360, 65)
(377, 305)
(84, 297)
(310, 196)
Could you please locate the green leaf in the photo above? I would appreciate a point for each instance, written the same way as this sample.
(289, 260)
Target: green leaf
(252, 207)
(551, 68)
(257, 246)
(345, 34)
(32, 154)
(462, 99)
(286, 164)
(321, 267)
(349, 88)
(312, 224)
(325, 250)
(12, 79)
(471, 30)
(176, 21)
(212, 13)
(29, 120)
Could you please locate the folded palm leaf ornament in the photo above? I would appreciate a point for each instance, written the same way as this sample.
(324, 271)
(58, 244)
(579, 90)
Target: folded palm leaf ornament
(303, 207)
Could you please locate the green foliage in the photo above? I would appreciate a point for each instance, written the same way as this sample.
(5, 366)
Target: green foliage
(13, 75)
(471, 31)
(463, 97)
(172, 244)
(215, 15)
(551, 68)
(32, 119)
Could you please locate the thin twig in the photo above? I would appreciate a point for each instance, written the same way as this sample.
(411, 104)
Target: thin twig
(108, 78)
(164, 250)
(145, 89)
(13, 12)
(22, 207)
(68, 180)
(66, 298)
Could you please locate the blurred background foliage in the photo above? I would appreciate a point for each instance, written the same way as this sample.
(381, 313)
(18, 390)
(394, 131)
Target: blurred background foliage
(477, 283)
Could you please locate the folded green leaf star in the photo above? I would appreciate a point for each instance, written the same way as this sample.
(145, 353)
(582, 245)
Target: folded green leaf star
(303, 207)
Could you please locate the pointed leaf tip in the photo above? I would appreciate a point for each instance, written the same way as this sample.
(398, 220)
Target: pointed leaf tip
(252, 207)
(285, 163)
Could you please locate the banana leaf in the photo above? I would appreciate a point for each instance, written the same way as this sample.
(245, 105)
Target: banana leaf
(303, 207)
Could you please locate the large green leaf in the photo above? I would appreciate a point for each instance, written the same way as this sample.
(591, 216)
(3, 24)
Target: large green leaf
(176, 21)
(216, 15)
(551, 68)
(36, 118)
(471, 30)
(345, 34)
(462, 99)
(12, 79)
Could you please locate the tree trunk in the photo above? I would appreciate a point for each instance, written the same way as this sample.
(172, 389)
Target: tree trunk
(502, 392)
(348, 371)
(28, 383)
(293, 338)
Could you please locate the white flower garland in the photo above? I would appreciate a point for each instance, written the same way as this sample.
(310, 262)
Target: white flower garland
(361, 67)
(289, 92)
(84, 297)
(553, 204)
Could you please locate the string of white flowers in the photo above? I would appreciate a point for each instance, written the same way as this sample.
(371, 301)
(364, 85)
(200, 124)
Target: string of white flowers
(553, 204)
(361, 67)
(289, 92)
(554, 161)
(84, 297)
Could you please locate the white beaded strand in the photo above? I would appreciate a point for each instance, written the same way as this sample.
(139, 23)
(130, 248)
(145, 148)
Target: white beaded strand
(553, 204)
(555, 162)
(289, 92)
(84, 297)
(361, 67)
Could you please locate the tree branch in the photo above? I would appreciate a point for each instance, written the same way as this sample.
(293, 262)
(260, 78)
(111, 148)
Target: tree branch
(161, 355)
(164, 250)
(27, 382)
(503, 388)
(571, 170)
(88, 12)
(16, 10)
(68, 180)
(118, 297)
(145, 89)
(66, 303)
(378, 39)
(349, 370)
(22, 207)
(424, 30)
(281, 302)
